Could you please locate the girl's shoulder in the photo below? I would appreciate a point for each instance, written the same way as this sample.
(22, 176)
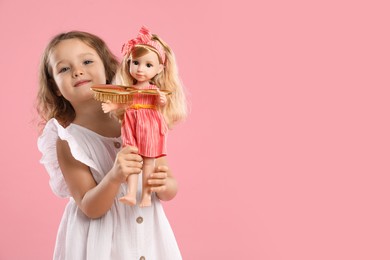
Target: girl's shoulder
(82, 143)
(47, 145)
(54, 130)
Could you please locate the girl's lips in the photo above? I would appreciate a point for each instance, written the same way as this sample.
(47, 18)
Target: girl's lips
(81, 82)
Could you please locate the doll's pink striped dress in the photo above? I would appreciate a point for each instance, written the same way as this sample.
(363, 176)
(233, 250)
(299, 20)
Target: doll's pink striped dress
(144, 126)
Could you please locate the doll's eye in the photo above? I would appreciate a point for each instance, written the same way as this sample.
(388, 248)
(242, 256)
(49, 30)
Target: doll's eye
(135, 62)
(149, 65)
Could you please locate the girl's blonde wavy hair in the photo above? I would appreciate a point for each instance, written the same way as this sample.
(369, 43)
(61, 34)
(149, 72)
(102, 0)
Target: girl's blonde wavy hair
(176, 108)
(49, 103)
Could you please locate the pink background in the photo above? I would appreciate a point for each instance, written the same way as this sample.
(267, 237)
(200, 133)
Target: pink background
(286, 151)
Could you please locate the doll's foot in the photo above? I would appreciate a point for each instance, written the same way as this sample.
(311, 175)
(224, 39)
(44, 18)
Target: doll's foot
(129, 200)
(146, 202)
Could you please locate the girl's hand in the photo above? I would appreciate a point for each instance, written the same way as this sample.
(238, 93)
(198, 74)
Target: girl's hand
(162, 98)
(108, 106)
(157, 181)
(127, 162)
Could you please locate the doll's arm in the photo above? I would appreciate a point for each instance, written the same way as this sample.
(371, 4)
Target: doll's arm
(108, 106)
(93, 199)
(162, 98)
(162, 180)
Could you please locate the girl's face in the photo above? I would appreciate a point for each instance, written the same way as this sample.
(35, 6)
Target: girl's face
(146, 67)
(76, 67)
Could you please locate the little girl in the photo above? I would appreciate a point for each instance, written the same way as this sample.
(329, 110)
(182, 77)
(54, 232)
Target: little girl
(149, 67)
(81, 147)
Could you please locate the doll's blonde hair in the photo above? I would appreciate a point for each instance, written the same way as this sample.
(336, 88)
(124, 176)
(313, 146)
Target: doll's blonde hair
(49, 103)
(176, 108)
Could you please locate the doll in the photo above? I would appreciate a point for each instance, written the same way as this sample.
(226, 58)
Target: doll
(149, 99)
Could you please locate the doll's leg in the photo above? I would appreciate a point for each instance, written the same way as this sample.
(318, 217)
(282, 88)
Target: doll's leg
(147, 169)
(132, 183)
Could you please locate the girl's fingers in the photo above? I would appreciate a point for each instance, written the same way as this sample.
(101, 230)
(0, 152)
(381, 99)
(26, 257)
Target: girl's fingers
(131, 158)
(134, 157)
(161, 168)
(157, 182)
(158, 189)
(130, 149)
(133, 170)
(159, 175)
(134, 164)
(130, 153)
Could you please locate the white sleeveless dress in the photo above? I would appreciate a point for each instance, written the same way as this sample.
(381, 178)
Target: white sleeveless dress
(124, 232)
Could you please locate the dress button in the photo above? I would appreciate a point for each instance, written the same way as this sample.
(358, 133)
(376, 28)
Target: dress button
(142, 258)
(117, 144)
(139, 220)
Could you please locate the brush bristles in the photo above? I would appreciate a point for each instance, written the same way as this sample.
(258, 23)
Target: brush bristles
(114, 98)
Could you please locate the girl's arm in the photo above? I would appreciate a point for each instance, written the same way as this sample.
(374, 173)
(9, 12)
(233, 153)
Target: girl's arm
(162, 180)
(93, 199)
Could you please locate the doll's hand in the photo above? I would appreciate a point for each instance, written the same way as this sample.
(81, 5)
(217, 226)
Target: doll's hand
(158, 179)
(162, 99)
(108, 106)
(127, 162)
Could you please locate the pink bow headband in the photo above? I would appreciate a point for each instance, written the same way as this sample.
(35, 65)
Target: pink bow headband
(144, 38)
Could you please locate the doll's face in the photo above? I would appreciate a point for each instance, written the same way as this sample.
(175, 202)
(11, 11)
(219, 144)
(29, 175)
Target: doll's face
(145, 67)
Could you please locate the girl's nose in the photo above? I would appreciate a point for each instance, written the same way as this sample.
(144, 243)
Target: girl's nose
(78, 72)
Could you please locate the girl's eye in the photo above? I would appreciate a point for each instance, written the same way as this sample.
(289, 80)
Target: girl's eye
(88, 62)
(135, 62)
(149, 65)
(63, 69)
